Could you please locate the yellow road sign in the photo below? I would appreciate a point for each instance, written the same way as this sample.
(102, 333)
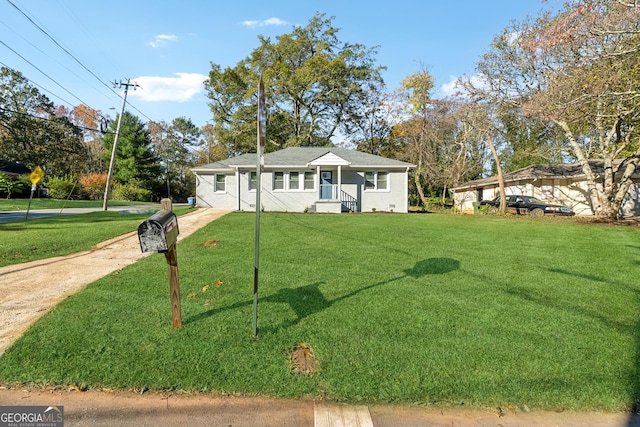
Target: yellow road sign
(36, 175)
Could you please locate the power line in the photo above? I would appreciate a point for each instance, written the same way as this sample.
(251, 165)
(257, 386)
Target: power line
(50, 37)
(13, 31)
(61, 47)
(101, 118)
(45, 74)
(49, 119)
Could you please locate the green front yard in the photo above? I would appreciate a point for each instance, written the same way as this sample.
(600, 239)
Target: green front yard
(429, 309)
(24, 241)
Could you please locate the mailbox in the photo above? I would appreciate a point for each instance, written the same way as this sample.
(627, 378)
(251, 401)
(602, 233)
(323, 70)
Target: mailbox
(159, 233)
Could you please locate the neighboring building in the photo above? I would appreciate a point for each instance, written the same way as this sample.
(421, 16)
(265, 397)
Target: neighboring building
(565, 184)
(13, 169)
(306, 179)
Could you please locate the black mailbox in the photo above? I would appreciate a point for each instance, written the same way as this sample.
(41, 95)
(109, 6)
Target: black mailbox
(159, 233)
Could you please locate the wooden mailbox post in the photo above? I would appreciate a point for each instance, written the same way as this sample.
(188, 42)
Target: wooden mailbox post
(160, 233)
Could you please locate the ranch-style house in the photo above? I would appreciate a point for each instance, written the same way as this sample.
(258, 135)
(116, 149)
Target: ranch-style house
(306, 179)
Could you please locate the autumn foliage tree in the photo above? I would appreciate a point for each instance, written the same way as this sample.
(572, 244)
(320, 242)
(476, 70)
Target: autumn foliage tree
(93, 185)
(578, 69)
(34, 132)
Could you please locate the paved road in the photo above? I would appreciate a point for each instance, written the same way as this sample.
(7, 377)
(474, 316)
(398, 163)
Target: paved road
(8, 216)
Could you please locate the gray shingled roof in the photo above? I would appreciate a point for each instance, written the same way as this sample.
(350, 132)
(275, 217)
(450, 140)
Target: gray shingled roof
(13, 168)
(300, 157)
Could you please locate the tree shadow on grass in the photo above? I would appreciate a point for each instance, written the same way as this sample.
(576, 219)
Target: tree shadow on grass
(309, 299)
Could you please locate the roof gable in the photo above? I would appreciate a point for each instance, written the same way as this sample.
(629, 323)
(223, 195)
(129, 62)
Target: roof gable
(329, 159)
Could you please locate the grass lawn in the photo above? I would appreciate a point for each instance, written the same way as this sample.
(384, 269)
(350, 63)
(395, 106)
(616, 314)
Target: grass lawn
(428, 309)
(23, 241)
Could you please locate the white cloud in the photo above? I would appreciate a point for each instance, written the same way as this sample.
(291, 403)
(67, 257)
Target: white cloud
(455, 86)
(266, 22)
(182, 87)
(449, 89)
(162, 39)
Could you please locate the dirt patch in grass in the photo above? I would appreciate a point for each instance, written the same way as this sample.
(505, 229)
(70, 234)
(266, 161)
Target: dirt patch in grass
(303, 360)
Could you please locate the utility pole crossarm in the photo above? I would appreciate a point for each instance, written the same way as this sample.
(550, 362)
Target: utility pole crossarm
(115, 140)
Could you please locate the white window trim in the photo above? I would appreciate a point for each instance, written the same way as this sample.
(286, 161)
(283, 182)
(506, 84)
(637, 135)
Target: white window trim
(249, 189)
(303, 180)
(284, 181)
(286, 175)
(288, 186)
(375, 182)
(215, 183)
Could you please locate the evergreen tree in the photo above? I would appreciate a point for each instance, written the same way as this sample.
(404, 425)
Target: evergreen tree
(135, 161)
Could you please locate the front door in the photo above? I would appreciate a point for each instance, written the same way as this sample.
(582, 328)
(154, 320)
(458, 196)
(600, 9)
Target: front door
(326, 185)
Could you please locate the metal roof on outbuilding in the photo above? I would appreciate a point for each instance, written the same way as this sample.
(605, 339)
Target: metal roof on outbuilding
(573, 170)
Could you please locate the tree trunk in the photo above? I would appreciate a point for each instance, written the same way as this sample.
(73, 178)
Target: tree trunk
(592, 189)
(503, 194)
(419, 184)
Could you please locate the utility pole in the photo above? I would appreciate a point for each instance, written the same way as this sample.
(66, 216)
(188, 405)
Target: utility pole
(115, 140)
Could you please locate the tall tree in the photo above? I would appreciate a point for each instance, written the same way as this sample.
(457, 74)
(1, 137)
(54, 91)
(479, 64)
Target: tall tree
(578, 69)
(416, 89)
(174, 145)
(210, 147)
(34, 132)
(371, 126)
(93, 124)
(528, 141)
(135, 161)
(314, 83)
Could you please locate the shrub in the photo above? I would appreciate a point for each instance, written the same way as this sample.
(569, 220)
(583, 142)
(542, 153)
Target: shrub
(132, 193)
(93, 185)
(8, 185)
(63, 187)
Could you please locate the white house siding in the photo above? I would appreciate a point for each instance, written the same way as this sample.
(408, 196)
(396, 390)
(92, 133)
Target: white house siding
(631, 204)
(569, 192)
(348, 179)
(206, 196)
(389, 200)
(286, 200)
(240, 198)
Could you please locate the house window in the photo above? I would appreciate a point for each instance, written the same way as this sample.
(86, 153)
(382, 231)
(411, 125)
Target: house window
(220, 183)
(375, 180)
(278, 180)
(381, 181)
(294, 181)
(253, 181)
(369, 181)
(309, 181)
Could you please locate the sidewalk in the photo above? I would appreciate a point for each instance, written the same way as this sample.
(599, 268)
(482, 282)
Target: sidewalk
(128, 409)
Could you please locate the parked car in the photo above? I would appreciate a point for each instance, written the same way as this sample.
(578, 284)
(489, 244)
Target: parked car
(525, 205)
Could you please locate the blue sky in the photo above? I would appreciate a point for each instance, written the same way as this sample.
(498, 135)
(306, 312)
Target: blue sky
(167, 46)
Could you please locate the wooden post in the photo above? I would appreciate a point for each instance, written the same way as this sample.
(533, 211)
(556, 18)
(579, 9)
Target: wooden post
(174, 280)
(174, 285)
